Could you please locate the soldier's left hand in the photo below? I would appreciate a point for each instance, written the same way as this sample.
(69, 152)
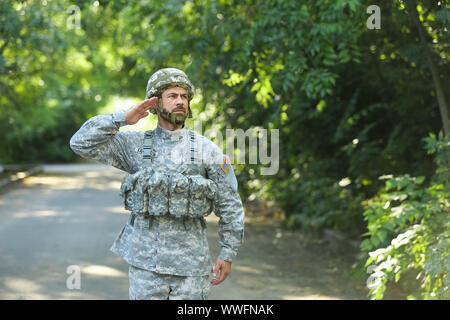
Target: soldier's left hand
(223, 268)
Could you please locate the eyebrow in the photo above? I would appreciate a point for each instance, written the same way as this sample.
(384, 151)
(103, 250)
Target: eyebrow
(175, 93)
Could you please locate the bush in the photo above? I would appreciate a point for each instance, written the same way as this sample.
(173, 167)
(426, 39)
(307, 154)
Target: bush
(319, 202)
(409, 231)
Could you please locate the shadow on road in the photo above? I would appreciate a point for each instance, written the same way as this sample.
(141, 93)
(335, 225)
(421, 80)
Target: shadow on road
(71, 214)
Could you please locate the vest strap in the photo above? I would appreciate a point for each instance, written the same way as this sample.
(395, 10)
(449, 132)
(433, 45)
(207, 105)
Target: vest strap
(132, 218)
(148, 152)
(192, 140)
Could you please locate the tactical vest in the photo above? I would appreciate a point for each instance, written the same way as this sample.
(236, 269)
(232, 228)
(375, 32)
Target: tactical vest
(162, 189)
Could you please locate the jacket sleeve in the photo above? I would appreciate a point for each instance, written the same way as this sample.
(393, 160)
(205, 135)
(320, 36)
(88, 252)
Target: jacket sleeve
(99, 139)
(228, 205)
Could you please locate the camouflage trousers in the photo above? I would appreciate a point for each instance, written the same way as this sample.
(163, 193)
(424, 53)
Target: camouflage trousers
(148, 285)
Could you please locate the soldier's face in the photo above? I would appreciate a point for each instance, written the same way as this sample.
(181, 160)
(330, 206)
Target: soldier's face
(175, 100)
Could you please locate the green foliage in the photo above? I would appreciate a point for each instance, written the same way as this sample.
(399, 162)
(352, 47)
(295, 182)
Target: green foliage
(319, 202)
(409, 230)
(45, 82)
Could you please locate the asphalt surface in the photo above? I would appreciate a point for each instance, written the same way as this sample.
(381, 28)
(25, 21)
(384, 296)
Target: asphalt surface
(61, 223)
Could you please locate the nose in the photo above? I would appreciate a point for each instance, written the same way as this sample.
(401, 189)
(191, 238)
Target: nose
(179, 101)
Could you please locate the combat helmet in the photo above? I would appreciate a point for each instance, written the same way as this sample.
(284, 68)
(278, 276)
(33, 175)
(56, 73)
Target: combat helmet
(164, 79)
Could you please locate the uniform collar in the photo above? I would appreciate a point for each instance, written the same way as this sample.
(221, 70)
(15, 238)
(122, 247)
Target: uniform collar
(168, 134)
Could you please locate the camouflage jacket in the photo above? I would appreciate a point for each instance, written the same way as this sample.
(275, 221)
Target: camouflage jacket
(163, 243)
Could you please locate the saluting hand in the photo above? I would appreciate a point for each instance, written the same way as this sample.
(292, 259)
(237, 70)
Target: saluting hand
(140, 110)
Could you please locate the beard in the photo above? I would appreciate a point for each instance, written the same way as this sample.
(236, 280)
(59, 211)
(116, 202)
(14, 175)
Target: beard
(174, 118)
(179, 118)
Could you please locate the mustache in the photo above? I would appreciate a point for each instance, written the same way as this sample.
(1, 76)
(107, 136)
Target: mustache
(179, 108)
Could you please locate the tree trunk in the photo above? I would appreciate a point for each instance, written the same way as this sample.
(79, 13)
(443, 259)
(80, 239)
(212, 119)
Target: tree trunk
(434, 72)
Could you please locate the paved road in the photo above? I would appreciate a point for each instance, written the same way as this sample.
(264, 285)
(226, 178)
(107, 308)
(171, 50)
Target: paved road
(70, 215)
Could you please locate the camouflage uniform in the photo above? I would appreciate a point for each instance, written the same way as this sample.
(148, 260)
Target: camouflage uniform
(165, 243)
(149, 285)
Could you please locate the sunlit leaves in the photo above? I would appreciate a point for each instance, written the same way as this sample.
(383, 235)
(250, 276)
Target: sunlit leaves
(411, 229)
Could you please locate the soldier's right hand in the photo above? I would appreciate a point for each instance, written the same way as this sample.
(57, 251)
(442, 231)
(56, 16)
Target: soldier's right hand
(140, 110)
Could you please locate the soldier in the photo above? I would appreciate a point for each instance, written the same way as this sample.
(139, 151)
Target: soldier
(175, 178)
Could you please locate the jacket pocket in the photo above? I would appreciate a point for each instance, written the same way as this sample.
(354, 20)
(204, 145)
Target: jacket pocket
(202, 196)
(179, 195)
(132, 191)
(157, 190)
